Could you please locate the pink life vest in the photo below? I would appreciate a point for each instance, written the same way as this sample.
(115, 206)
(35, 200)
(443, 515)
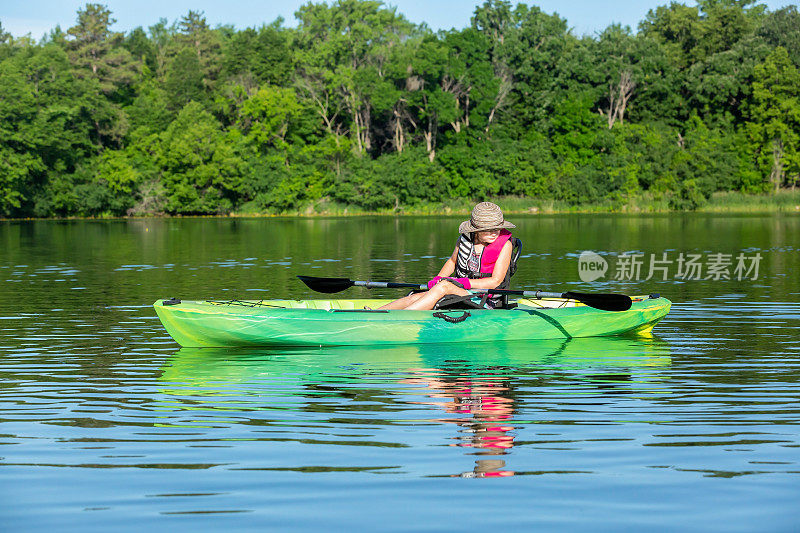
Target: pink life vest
(492, 252)
(488, 257)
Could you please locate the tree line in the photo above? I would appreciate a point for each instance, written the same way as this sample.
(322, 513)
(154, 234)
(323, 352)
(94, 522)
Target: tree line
(357, 106)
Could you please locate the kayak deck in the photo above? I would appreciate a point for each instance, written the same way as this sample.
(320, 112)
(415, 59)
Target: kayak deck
(352, 322)
(371, 304)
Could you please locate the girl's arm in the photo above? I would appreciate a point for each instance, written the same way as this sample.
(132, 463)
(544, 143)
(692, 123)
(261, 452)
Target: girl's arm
(499, 273)
(450, 265)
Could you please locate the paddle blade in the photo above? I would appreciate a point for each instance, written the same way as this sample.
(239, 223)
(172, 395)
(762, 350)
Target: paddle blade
(326, 285)
(604, 302)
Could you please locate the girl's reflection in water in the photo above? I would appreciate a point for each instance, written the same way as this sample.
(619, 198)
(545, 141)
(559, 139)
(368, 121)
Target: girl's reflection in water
(486, 408)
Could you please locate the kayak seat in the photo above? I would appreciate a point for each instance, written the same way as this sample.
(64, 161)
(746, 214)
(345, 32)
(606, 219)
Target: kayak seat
(516, 250)
(454, 301)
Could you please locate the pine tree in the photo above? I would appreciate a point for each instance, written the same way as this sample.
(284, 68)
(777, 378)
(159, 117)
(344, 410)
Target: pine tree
(196, 34)
(97, 52)
(4, 35)
(184, 80)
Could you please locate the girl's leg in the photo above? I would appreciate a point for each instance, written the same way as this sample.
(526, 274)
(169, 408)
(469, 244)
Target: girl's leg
(429, 299)
(403, 302)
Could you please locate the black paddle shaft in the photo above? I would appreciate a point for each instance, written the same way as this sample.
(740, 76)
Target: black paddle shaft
(605, 302)
(332, 285)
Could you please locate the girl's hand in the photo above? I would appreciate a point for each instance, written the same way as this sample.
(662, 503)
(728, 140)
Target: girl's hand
(434, 281)
(465, 282)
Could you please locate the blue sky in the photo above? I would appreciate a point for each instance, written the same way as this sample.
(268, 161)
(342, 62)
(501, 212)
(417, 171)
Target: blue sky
(37, 17)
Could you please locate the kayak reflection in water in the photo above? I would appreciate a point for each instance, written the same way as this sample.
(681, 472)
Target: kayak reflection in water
(485, 425)
(480, 260)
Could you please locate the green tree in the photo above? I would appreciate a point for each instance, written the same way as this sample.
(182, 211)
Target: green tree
(99, 58)
(782, 28)
(495, 20)
(774, 121)
(116, 168)
(194, 33)
(45, 127)
(574, 130)
(430, 105)
(617, 58)
(19, 162)
(200, 167)
(721, 83)
(629, 77)
(184, 81)
(726, 22)
(528, 46)
(138, 44)
(161, 37)
(340, 50)
(97, 52)
(262, 53)
(708, 160)
(150, 111)
(678, 27)
(5, 43)
(469, 76)
(693, 33)
(265, 117)
(5, 37)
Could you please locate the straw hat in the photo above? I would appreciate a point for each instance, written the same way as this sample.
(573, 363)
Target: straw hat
(485, 216)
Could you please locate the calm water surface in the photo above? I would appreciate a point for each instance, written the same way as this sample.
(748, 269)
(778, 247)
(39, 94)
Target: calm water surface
(105, 424)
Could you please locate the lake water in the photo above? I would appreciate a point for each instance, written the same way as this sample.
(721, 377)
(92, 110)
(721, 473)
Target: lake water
(105, 424)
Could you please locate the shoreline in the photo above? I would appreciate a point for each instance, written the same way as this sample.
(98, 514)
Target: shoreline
(720, 203)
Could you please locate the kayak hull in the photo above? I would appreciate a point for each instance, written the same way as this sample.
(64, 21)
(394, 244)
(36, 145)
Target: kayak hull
(286, 323)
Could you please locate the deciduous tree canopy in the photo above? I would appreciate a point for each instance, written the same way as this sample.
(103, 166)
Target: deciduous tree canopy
(359, 106)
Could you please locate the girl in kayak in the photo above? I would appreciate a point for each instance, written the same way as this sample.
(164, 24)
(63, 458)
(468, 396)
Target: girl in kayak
(479, 261)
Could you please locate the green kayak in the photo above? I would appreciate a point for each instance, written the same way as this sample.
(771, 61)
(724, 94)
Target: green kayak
(284, 323)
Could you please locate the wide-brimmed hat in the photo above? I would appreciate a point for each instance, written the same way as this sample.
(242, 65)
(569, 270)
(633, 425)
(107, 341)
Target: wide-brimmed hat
(485, 216)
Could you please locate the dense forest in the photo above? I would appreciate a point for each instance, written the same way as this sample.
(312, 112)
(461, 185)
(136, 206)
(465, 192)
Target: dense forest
(356, 106)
